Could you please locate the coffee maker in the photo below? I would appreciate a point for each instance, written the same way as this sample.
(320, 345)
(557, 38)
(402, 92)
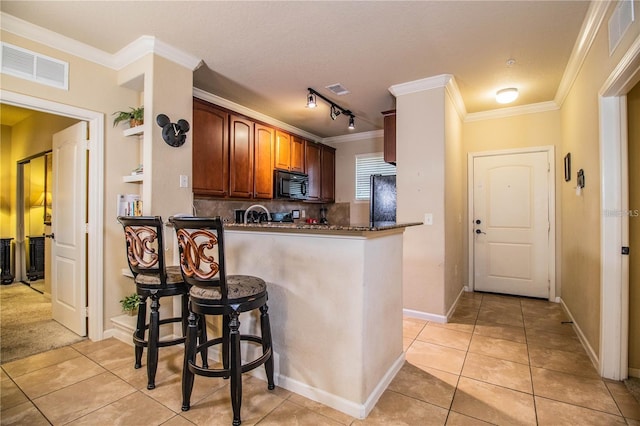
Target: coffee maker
(323, 216)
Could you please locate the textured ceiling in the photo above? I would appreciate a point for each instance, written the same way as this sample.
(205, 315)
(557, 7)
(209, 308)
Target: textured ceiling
(264, 55)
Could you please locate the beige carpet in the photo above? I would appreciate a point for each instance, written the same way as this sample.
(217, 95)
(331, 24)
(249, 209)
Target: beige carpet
(26, 327)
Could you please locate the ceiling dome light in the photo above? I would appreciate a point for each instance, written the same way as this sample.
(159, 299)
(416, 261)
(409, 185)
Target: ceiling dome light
(506, 96)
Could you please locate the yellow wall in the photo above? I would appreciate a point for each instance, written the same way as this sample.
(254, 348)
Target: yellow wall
(633, 110)
(346, 174)
(581, 215)
(5, 182)
(521, 131)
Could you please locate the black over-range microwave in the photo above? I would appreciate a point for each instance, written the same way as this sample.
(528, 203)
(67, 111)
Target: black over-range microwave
(289, 185)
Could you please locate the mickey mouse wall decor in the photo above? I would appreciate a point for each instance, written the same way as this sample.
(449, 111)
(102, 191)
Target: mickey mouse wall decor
(174, 134)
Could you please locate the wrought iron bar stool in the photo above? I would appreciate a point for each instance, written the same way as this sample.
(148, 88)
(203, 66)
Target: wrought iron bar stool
(213, 292)
(153, 279)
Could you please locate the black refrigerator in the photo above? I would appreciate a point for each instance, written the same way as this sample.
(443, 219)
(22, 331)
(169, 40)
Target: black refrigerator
(382, 203)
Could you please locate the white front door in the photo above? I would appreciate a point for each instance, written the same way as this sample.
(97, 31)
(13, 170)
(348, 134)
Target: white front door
(511, 224)
(69, 218)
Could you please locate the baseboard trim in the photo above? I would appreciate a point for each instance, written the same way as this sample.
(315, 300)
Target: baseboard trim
(346, 406)
(585, 343)
(410, 313)
(634, 372)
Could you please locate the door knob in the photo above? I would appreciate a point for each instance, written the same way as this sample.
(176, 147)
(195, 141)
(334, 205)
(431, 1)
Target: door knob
(51, 235)
(478, 221)
(480, 232)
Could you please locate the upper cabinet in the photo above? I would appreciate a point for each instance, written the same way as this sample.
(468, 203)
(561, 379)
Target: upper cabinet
(283, 150)
(235, 156)
(240, 157)
(390, 136)
(320, 162)
(210, 150)
(297, 154)
(264, 138)
(328, 161)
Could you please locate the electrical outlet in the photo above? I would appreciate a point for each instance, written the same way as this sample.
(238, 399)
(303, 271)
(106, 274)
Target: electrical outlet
(184, 181)
(428, 218)
(303, 214)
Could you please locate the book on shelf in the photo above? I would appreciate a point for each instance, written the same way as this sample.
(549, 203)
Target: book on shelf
(129, 205)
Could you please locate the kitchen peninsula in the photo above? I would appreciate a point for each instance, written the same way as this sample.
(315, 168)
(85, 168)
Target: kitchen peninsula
(335, 304)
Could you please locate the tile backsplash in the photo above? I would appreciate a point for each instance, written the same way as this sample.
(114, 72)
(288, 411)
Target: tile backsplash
(337, 213)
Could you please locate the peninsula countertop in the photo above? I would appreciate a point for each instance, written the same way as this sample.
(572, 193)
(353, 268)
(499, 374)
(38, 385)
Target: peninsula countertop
(315, 228)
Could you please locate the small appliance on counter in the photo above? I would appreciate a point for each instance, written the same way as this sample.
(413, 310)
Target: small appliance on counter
(281, 217)
(323, 216)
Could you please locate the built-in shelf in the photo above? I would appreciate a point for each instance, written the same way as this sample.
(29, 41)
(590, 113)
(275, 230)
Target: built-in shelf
(133, 178)
(134, 131)
(127, 272)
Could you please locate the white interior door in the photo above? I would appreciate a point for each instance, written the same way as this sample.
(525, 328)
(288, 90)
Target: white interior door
(69, 217)
(511, 224)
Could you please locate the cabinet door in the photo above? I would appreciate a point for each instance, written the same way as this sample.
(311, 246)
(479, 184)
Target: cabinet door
(390, 136)
(210, 150)
(314, 170)
(297, 154)
(263, 161)
(328, 187)
(240, 157)
(283, 150)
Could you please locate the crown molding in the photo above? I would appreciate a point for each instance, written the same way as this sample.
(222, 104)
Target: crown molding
(420, 85)
(454, 93)
(512, 111)
(588, 32)
(145, 45)
(373, 134)
(225, 103)
(125, 56)
(52, 39)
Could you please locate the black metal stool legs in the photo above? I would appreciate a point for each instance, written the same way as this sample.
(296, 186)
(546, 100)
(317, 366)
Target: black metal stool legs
(189, 359)
(265, 327)
(154, 338)
(236, 367)
(139, 334)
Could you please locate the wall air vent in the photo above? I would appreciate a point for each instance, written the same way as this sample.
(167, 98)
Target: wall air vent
(338, 89)
(33, 66)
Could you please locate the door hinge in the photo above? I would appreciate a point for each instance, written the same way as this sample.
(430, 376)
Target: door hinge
(85, 312)
(86, 228)
(625, 251)
(86, 146)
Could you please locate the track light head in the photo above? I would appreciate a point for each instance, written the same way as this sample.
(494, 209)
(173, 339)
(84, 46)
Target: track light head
(311, 101)
(352, 124)
(334, 112)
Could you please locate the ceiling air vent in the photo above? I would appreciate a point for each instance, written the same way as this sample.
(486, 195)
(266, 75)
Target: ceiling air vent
(338, 89)
(29, 65)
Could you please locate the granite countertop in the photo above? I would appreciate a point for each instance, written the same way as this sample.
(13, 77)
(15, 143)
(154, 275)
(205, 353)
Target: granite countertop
(318, 228)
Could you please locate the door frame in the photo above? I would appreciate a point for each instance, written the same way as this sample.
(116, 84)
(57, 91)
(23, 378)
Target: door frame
(95, 235)
(550, 151)
(614, 229)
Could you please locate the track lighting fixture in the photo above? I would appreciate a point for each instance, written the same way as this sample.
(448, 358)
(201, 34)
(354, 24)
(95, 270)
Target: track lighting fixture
(335, 109)
(311, 101)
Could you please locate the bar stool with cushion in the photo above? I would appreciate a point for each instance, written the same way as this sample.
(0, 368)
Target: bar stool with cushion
(154, 280)
(213, 292)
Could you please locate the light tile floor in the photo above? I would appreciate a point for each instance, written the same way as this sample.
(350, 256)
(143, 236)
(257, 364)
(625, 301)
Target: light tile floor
(501, 360)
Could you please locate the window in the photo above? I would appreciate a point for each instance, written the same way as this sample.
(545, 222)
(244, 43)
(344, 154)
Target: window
(367, 165)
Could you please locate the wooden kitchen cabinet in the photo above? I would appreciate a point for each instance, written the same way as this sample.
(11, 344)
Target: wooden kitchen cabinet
(313, 168)
(210, 150)
(390, 136)
(328, 186)
(283, 150)
(240, 157)
(264, 138)
(297, 154)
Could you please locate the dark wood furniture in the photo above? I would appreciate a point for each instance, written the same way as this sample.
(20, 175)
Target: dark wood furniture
(36, 258)
(210, 150)
(5, 261)
(390, 136)
(154, 280)
(264, 137)
(213, 292)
